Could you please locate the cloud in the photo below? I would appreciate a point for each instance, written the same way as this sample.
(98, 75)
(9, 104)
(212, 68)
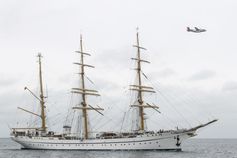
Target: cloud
(167, 72)
(115, 59)
(230, 86)
(6, 80)
(202, 75)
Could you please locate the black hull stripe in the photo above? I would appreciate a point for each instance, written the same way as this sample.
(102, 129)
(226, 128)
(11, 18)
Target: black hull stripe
(173, 149)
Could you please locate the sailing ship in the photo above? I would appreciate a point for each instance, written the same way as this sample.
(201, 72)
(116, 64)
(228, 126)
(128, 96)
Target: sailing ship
(138, 139)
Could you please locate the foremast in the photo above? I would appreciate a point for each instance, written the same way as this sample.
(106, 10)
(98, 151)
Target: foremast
(140, 88)
(83, 91)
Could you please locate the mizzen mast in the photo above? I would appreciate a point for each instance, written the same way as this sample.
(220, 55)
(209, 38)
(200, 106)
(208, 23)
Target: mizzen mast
(140, 88)
(41, 98)
(42, 102)
(83, 91)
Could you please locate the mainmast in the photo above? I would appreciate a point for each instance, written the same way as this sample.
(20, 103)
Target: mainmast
(84, 106)
(140, 100)
(140, 88)
(84, 111)
(43, 116)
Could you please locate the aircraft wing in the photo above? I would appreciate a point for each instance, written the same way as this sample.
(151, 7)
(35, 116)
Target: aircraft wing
(197, 29)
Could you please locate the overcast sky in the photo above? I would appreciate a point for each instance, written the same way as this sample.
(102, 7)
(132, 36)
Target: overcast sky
(196, 73)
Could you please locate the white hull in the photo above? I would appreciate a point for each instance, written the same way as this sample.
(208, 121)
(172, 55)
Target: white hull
(164, 141)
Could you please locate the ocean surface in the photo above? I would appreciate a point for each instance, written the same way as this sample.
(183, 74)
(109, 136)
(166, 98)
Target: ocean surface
(193, 148)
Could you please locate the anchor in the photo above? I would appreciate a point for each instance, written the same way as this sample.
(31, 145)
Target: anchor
(178, 141)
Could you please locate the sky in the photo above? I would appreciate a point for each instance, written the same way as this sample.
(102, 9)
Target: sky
(194, 74)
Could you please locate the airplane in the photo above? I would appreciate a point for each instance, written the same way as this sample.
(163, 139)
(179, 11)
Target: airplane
(196, 30)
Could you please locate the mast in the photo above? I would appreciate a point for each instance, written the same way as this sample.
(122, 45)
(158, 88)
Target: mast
(84, 106)
(41, 97)
(42, 102)
(140, 101)
(139, 87)
(84, 111)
